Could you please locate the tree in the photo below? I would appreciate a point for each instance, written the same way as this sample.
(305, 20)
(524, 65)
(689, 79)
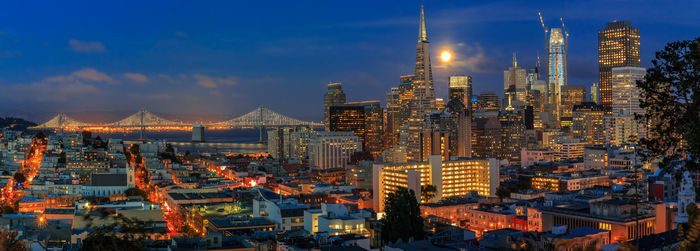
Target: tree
(132, 233)
(136, 192)
(428, 192)
(19, 177)
(9, 241)
(672, 105)
(502, 192)
(402, 218)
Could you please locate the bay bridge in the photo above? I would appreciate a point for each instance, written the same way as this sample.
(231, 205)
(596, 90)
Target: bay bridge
(261, 118)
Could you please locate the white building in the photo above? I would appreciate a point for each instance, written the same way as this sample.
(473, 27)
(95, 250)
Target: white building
(329, 150)
(335, 219)
(288, 214)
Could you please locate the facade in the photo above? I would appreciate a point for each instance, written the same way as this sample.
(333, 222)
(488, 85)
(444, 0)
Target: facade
(587, 123)
(595, 94)
(450, 178)
(329, 150)
(197, 133)
(618, 46)
(486, 135)
(460, 88)
(571, 95)
(517, 78)
(568, 149)
(365, 119)
(529, 157)
(512, 135)
(557, 68)
(287, 215)
(279, 144)
(392, 121)
(333, 96)
(488, 101)
(423, 91)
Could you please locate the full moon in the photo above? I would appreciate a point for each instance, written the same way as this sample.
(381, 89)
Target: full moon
(445, 56)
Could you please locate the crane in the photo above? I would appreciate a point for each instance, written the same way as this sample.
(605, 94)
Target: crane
(542, 22)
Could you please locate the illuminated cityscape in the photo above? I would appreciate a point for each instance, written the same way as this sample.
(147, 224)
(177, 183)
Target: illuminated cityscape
(312, 126)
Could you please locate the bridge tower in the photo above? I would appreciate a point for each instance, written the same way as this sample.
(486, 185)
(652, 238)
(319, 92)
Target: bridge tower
(142, 135)
(261, 125)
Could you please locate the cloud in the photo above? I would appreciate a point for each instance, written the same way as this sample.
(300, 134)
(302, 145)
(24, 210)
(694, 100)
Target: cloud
(85, 74)
(136, 77)
(86, 46)
(471, 58)
(212, 82)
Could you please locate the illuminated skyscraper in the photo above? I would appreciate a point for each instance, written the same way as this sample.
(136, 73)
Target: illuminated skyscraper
(365, 119)
(405, 98)
(333, 96)
(460, 88)
(571, 95)
(512, 134)
(392, 121)
(557, 69)
(618, 46)
(588, 124)
(488, 101)
(625, 93)
(424, 93)
(516, 78)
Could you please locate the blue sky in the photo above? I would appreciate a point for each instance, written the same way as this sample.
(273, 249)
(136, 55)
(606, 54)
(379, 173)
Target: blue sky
(228, 57)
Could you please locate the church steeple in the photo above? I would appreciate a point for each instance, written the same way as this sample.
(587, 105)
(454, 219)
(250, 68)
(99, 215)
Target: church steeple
(422, 33)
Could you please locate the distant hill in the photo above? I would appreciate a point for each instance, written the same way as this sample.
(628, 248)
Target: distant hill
(15, 123)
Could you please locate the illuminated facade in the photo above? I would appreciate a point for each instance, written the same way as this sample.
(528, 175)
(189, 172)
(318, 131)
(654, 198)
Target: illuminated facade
(618, 46)
(333, 96)
(392, 118)
(450, 178)
(625, 102)
(588, 125)
(488, 101)
(568, 149)
(557, 68)
(517, 78)
(595, 93)
(365, 119)
(512, 135)
(332, 149)
(460, 88)
(571, 95)
(423, 91)
(486, 135)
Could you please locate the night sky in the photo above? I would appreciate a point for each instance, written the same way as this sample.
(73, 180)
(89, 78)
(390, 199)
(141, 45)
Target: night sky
(226, 58)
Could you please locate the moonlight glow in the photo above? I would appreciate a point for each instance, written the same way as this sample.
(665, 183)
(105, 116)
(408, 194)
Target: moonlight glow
(445, 56)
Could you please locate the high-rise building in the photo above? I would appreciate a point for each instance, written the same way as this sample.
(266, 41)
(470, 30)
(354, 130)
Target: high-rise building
(329, 150)
(405, 98)
(279, 144)
(595, 93)
(557, 69)
(197, 133)
(424, 93)
(300, 139)
(488, 101)
(618, 46)
(516, 78)
(625, 93)
(486, 135)
(447, 132)
(460, 88)
(392, 121)
(333, 96)
(571, 95)
(512, 134)
(448, 177)
(365, 119)
(588, 125)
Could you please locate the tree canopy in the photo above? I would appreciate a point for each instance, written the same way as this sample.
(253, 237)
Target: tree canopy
(672, 104)
(402, 218)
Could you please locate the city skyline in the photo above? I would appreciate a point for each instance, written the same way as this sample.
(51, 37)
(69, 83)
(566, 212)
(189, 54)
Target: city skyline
(193, 64)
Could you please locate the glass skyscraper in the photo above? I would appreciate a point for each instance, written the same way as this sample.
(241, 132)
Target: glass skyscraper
(557, 69)
(618, 46)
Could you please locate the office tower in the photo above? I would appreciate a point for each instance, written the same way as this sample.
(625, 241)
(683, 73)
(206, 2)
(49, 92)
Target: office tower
(488, 101)
(197, 133)
(625, 93)
(448, 177)
(486, 134)
(440, 104)
(538, 95)
(365, 119)
(424, 94)
(588, 125)
(279, 144)
(333, 96)
(392, 121)
(532, 76)
(447, 133)
(571, 95)
(405, 98)
(618, 46)
(625, 128)
(516, 78)
(410, 137)
(557, 69)
(300, 139)
(460, 88)
(595, 93)
(512, 134)
(459, 125)
(328, 150)
(435, 142)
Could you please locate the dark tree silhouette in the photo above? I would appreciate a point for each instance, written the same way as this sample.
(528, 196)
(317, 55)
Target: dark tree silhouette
(402, 218)
(672, 104)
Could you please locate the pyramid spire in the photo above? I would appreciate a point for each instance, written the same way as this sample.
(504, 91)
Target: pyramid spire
(422, 33)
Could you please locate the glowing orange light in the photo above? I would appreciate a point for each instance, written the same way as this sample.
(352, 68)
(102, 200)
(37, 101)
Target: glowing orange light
(446, 56)
(253, 183)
